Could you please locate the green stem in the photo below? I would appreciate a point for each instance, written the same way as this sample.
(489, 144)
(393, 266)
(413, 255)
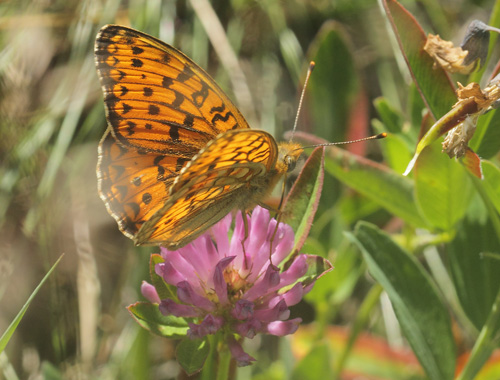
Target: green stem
(484, 345)
(492, 213)
(224, 363)
(361, 321)
(210, 367)
(218, 363)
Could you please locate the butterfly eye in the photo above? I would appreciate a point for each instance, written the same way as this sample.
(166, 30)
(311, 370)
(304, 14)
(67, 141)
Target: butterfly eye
(290, 163)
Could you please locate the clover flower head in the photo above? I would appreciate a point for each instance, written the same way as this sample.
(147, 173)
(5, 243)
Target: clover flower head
(232, 285)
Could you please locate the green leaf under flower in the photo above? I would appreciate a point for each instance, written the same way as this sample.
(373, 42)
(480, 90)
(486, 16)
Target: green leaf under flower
(148, 315)
(192, 353)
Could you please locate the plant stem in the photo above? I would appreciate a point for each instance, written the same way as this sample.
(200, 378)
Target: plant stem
(224, 363)
(360, 322)
(484, 345)
(209, 369)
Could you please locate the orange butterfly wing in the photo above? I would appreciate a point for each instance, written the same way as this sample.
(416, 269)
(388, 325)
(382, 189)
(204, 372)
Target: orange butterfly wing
(234, 171)
(161, 109)
(156, 98)
(133, 183)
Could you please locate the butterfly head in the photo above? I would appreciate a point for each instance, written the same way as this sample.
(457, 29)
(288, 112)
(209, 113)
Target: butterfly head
(288, 155)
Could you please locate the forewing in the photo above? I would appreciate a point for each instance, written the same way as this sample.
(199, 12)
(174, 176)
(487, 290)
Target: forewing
(221, 178)
(156, 98)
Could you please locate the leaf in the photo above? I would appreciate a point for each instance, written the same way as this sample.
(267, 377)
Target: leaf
(487, 135)
(473, 270)
(333, 84)
(442, 188)
(392, 119)
(472, 163)
(423, 317)
(432, 82)
(192, 353)
(316, 268)
(398, 144)
(491, 183)
(385, 187)
(315, 365)
(302, 202)
(4, 339)
(339, 287)
(394, 149)
(148, 315)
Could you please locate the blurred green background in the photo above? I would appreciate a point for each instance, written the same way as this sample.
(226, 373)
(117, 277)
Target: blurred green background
(52, 117)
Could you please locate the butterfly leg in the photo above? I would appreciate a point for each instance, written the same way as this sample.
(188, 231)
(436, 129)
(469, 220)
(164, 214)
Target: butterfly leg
(278, 219)
(277, 211)
(245, 225)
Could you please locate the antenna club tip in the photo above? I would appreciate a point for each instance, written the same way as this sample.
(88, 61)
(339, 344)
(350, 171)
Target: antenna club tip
(381, 135)
(312, 65)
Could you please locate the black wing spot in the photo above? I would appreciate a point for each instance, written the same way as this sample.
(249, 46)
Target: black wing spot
(174, 133)
(218, 117)
(146, 198)
(200, 96)
(165, 58)
(137, 181)
(179, 98)
(167, 82)
(180, 163)
(148, 126)
(158, 159)
(153, 110)
(185, 74)
(161, 173)
(126, 108)
(124, 91)
(218, 109)
(189, 120)
(137, 50)
(137, 62)
(131, 127)
(148, 91)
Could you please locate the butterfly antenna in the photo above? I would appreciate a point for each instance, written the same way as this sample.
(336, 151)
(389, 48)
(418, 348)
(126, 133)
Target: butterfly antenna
(301, 100)
(374, 137)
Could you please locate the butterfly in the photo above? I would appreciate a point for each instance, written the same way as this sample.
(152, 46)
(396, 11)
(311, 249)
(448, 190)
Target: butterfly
(177, 155)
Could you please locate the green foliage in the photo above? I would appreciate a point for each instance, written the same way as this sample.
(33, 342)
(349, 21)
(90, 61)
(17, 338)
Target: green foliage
(423, 317)
(7, 335)
(192, 354)
(149, 317)
(302, 201)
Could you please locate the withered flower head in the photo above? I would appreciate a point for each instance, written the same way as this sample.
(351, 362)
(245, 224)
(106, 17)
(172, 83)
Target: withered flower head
(464, 59)
(456, 141)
